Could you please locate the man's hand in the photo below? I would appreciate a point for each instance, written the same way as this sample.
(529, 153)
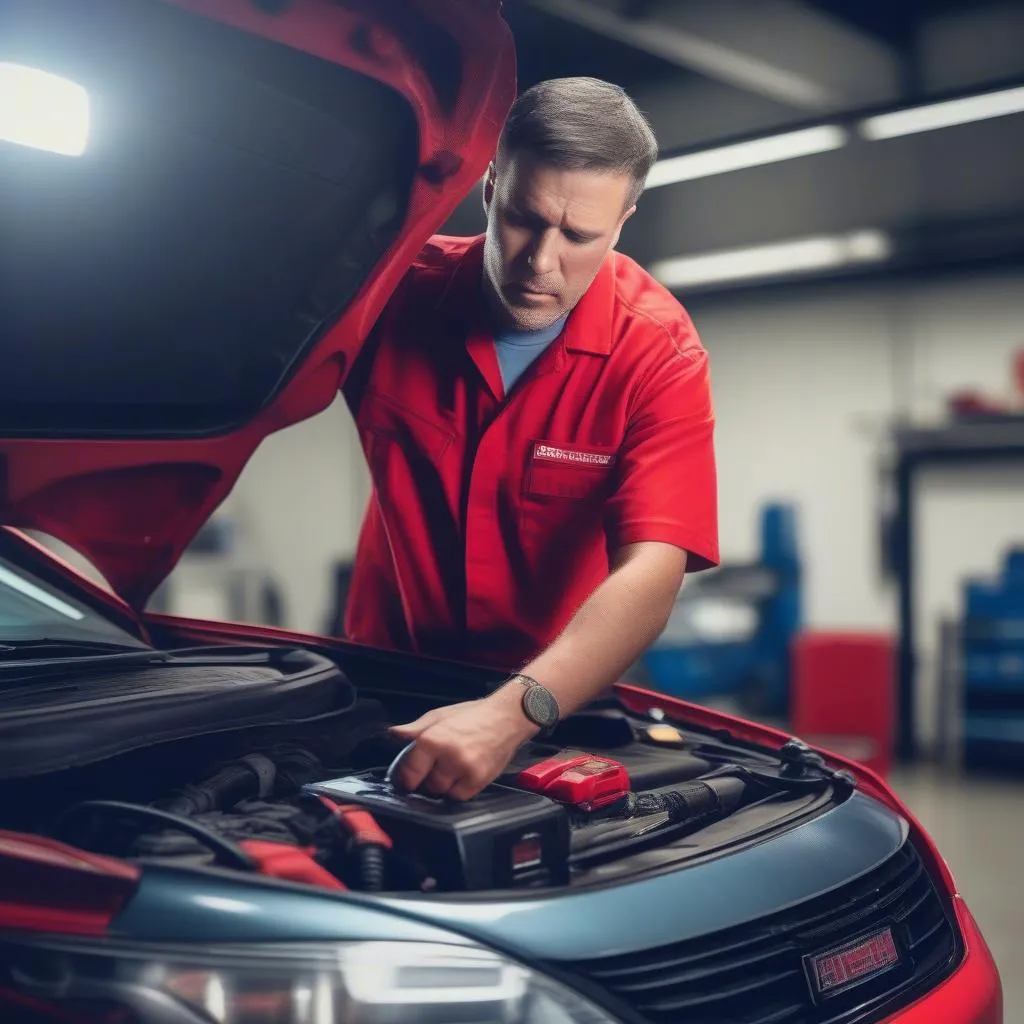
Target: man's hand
(462, 748)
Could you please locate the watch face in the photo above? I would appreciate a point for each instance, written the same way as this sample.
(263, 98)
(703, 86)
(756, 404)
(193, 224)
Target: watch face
(540, 707)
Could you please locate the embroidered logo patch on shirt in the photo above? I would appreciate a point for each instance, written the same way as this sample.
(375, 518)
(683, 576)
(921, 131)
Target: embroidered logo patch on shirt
(552, 453)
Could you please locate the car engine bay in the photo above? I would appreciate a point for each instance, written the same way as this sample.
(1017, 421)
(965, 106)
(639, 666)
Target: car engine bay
(611, 794)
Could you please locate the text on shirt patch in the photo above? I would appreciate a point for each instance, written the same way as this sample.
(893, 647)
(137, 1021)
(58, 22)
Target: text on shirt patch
(554, 454)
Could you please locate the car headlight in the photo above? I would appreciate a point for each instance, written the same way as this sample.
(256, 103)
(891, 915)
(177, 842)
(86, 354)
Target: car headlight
(346, 983)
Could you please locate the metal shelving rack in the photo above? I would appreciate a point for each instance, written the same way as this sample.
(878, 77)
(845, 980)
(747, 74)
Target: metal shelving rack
(965, 444)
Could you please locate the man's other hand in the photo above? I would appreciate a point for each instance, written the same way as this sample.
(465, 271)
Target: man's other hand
(462, 748)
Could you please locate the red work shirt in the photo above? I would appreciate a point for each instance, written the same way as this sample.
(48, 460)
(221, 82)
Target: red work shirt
(493, 515)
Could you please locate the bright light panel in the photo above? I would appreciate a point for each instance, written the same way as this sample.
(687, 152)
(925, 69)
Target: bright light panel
(764, 261)
(42, 111)
(770, 150)
(943, 115)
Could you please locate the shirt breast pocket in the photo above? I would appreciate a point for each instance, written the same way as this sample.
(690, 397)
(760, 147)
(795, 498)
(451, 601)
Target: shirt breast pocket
(561, 507)
(568, 472)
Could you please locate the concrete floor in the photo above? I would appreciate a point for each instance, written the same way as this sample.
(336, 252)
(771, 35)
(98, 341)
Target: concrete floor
(978, 824)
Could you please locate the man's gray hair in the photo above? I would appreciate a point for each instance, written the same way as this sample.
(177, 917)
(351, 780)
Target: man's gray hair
(581, 124)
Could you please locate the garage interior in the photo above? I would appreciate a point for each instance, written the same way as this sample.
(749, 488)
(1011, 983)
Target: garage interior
(839, 204)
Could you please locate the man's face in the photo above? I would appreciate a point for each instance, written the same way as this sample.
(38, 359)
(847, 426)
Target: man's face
(548, 231)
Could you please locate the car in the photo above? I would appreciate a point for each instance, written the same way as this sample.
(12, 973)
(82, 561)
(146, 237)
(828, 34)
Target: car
(199, 820)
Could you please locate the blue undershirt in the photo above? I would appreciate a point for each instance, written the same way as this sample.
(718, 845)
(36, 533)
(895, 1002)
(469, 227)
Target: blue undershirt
(518, 349)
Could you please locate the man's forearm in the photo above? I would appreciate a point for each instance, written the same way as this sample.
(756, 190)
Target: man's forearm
(612, 628)
(458, 750)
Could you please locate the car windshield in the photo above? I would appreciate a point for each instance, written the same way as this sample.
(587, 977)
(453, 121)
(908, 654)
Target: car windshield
(32, 610)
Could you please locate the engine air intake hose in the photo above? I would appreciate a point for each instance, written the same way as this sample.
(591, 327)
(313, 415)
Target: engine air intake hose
(690, 801)
(252, 776)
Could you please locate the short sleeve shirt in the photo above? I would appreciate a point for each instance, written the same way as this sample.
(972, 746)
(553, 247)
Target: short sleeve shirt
(494, 513)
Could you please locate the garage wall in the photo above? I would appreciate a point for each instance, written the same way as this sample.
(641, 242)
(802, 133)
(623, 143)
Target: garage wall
(804, 389)
(791, 428)
(298, 506)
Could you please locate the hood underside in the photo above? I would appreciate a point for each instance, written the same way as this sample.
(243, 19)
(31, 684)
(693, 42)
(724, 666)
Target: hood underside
(255, 180)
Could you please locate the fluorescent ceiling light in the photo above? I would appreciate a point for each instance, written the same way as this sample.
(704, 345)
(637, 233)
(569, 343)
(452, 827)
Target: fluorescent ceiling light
(42, 111)
(943, 115)
(763, 261)
(769, 150)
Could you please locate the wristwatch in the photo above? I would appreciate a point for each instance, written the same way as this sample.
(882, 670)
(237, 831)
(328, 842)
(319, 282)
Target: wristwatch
(539, 704)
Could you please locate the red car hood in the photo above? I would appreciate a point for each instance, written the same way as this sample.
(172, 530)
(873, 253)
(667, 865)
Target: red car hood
(258, 176)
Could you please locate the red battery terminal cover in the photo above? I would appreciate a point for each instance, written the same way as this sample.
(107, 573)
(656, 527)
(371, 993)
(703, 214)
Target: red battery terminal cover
(584, 780)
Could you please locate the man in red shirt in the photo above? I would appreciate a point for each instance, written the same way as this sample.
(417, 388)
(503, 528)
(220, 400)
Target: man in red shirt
(536, 413)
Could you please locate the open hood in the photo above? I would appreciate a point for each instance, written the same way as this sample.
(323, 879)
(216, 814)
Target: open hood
(193, 251)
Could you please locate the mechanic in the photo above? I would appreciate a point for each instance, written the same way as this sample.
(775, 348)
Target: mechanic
(536, 413)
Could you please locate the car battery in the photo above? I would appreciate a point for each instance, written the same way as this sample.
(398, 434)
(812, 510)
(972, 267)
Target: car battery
(501, 839)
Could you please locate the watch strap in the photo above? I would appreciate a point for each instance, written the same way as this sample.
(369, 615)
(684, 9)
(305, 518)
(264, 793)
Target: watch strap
(525, 680)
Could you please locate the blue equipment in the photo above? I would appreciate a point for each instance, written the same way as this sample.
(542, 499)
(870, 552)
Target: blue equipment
(993, 667)
(730, 632)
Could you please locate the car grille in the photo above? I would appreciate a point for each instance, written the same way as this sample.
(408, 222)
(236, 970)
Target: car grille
(754, 973)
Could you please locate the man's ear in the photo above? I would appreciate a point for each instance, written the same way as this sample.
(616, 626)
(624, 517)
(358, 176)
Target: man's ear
(618, 231)
(489, 180)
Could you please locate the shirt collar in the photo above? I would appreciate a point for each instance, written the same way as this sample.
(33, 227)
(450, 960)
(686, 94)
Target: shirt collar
(589, 327)
(462, 295)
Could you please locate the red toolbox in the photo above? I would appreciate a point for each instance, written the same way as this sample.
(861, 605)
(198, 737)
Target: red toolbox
(842, 695)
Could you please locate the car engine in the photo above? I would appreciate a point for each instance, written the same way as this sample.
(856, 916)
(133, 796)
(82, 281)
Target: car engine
(639, 790)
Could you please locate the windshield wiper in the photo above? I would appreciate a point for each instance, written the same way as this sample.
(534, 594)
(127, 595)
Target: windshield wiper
(43, 654)
(59, 646)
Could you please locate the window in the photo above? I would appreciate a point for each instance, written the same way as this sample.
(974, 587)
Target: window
(33, 610)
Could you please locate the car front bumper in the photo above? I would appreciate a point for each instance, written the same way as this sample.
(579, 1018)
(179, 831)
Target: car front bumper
(972, 994)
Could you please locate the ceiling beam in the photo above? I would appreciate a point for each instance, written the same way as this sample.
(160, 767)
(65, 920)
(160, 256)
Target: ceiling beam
(780, 49)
